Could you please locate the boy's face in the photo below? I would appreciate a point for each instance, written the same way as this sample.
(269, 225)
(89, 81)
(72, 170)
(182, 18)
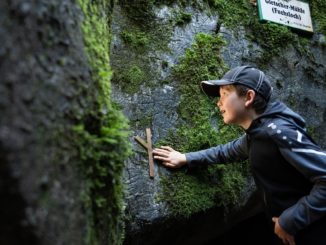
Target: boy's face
(232, 106)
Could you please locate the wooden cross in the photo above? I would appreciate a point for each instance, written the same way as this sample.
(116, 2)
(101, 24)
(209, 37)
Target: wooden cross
(148, 147)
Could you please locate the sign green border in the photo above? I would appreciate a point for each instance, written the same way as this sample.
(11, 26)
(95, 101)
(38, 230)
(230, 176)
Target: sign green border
(260, 13)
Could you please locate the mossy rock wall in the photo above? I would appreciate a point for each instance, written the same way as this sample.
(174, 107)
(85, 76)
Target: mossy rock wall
(160, 52)
(62, 142)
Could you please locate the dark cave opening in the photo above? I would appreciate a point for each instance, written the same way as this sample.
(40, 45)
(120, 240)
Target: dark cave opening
(254, 230)
(14, 229)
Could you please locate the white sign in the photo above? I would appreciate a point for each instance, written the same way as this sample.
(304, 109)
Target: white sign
(293, 13)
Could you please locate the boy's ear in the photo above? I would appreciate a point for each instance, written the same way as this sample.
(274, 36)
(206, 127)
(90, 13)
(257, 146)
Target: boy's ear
(250, 97)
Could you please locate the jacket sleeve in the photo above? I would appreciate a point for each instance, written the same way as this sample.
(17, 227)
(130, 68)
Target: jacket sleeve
(232, 151)
(307, 157)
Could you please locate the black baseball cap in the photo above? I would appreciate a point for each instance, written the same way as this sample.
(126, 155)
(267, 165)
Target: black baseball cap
(245, 75)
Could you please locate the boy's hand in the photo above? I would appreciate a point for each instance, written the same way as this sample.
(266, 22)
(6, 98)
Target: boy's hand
(282, 234)
(169, 157)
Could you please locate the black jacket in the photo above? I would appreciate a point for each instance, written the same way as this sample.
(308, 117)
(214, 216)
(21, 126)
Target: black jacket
(289, 168)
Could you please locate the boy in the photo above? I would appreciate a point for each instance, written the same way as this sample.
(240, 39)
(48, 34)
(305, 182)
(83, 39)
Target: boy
(288, 167)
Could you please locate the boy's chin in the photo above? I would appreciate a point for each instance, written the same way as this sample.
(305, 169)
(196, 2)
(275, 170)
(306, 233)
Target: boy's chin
(228, 121)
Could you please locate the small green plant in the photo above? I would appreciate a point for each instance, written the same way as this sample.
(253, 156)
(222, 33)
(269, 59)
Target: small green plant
(233, 13)
(130, 79)
(182, 18)
(137, 39)
(318, 10)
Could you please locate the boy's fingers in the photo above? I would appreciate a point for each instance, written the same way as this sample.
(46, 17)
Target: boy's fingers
(161, 152)
(167, 164)
(170, 165)
(291, 240)
(164, 163)
(167, 148)
(162, 158)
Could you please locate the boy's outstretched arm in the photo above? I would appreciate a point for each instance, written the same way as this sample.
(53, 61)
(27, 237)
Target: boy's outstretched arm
(232, 151)
(236, 150)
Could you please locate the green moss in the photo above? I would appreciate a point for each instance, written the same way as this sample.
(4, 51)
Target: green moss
(137, 40)
(130, 78)
(190, 193)
(141, 122)
(144, 37)
(138, 10)
(273, 38)
(187, 194)
(101, 137)
(312, 132)
(233, 13)
(318, 12)
(292, 100)
(193, 192)
(182, 18)
(97, 39)
(141, 10)
(102, 155)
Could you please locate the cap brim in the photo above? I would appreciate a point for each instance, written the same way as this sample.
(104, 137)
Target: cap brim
(212, 87)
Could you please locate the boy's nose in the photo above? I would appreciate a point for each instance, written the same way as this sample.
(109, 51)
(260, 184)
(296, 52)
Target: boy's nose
(218, 103)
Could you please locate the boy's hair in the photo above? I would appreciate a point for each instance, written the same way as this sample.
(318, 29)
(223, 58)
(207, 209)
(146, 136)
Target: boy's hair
(259, 104)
